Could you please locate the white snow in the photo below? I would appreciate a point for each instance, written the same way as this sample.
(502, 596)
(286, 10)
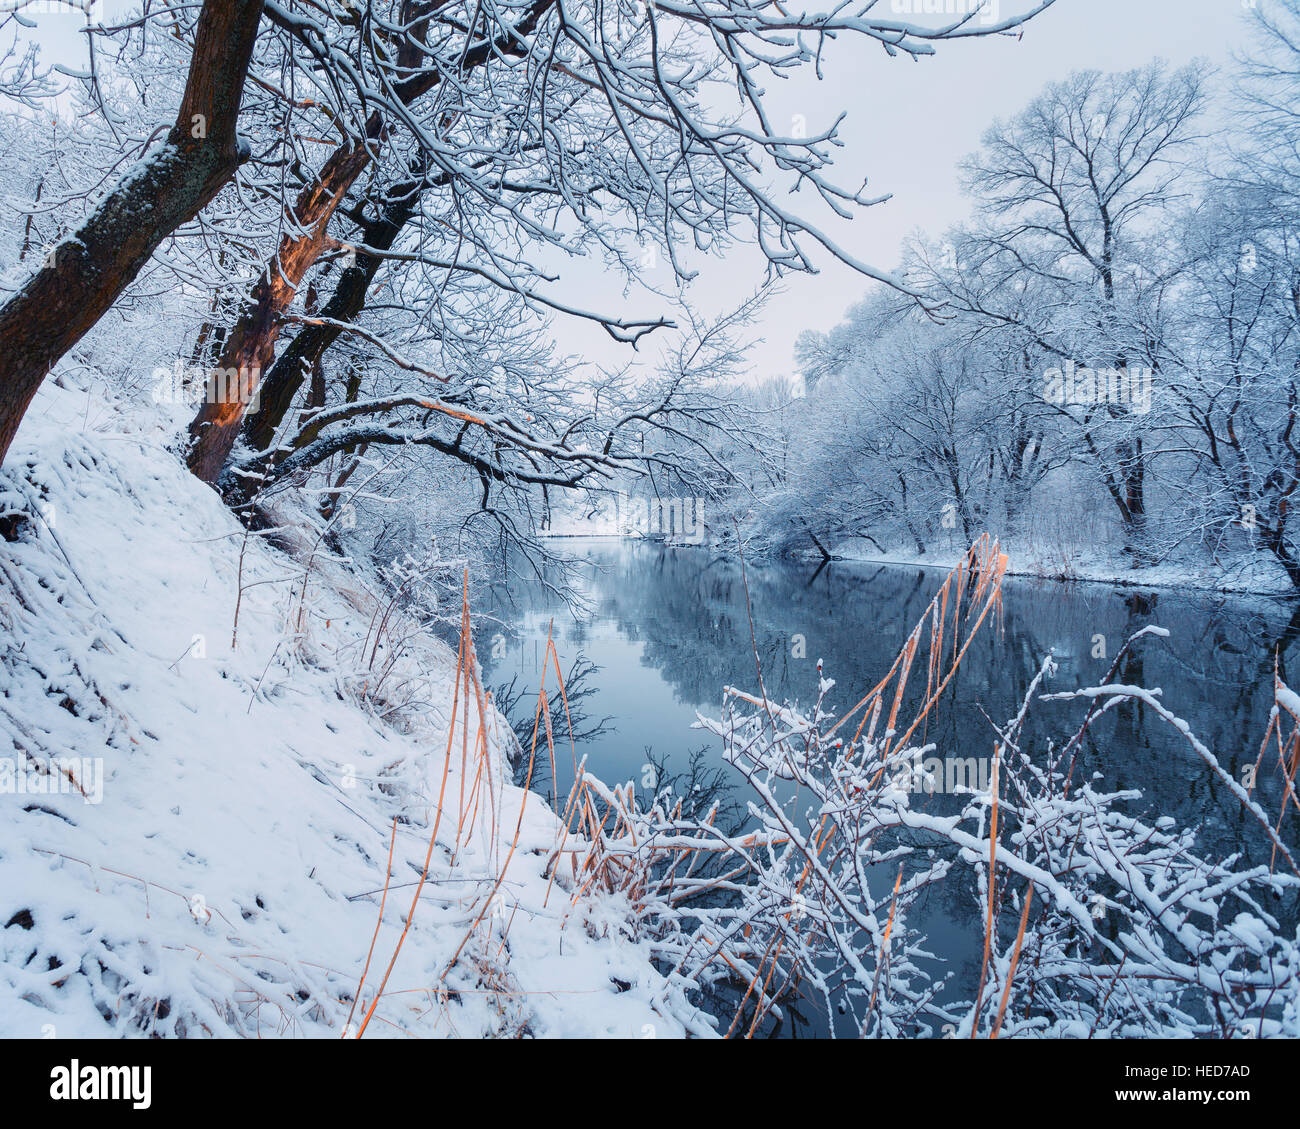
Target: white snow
(230, 880)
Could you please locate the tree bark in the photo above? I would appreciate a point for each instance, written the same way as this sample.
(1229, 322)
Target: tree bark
(347, 301)
(86, 272)
(250, 345)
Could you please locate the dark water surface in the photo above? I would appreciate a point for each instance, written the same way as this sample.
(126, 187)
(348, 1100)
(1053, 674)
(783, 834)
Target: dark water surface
(668, 628)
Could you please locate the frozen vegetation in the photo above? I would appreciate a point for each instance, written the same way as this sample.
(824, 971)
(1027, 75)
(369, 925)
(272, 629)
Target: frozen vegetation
(284, 389)
(215, 741)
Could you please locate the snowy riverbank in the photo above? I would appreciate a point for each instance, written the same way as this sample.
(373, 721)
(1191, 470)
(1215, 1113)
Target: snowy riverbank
(1244, 576)
(243, 776)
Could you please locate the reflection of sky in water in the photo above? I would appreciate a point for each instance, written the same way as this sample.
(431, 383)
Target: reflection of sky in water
(646, 707)
(670, 629)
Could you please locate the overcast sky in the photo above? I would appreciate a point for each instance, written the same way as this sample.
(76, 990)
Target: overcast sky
(908, 125)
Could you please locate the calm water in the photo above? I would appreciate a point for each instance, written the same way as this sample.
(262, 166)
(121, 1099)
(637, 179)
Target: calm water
(668, 629)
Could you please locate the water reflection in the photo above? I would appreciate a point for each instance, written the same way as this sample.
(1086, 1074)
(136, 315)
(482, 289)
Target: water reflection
(670, 629)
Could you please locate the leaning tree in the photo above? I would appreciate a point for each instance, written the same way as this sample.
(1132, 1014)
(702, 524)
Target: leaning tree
(488, 143)
(83, 275)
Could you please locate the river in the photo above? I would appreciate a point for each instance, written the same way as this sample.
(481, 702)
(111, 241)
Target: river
(668, 629)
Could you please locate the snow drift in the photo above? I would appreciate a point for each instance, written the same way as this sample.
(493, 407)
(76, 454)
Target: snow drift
(202, 787)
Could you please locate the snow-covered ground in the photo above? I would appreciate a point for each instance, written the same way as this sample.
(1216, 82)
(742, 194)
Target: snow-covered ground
(242, 769)
(1247, 573)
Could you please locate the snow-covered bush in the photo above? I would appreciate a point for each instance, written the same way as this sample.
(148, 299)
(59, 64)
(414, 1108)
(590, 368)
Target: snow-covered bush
(1096, 922)
(207, 829)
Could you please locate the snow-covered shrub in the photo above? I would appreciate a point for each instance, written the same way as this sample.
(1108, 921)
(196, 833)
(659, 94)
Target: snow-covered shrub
(1096, 922)
(201, 834)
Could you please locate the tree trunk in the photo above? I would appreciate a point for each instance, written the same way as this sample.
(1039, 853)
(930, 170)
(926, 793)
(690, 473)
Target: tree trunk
(1276, 539)
(1130, 488)
(347, 301)
(250, 345)
(87, 271)
(1135, 488)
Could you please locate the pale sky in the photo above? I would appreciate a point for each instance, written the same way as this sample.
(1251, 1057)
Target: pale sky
(908, 125)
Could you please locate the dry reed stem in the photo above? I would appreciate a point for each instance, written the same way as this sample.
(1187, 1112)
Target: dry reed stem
(1015, 959)
(433, 835)
(884, 945)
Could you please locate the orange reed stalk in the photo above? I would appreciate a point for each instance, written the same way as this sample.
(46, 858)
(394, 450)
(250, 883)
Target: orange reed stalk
(1015, 959)
(433, 835)
(884, 945)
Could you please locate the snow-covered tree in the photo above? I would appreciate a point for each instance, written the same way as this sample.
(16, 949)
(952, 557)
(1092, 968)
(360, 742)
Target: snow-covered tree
(1070, 198)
